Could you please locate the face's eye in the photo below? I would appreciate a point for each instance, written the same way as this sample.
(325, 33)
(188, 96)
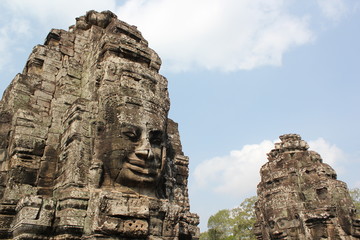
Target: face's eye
(156, 138)
(271, 224)
(156, 141)
(132, 135)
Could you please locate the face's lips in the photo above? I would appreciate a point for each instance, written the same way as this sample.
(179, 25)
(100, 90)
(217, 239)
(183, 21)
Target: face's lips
(279, 235)
(136, 162)
(134, 167)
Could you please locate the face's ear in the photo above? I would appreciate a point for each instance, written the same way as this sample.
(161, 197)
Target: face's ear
(163, 158)
(95, 176)
(160, 186)
(97, 128)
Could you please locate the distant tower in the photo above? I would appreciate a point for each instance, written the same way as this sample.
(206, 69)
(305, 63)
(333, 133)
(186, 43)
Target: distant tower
(87, 150)
(299, 197)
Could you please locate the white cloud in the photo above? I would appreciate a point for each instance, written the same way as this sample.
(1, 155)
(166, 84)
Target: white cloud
(227, 35)
(11, 33)
(238, 174)
(22, 21)
(3, 52)
(55, 12)
(235, 174)
(330, 153)
(218, 34)
(333, 9)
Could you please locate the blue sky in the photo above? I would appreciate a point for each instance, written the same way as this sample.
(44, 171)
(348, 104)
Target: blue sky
(241, 73)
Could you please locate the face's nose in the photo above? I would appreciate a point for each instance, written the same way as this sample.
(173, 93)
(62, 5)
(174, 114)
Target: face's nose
(143, 151)
(144, 154)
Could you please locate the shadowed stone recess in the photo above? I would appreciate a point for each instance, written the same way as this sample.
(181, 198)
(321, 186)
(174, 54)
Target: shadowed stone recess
(87, 150)
(299, 197)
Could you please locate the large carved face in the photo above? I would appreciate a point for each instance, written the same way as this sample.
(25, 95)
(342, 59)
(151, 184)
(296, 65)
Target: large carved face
(283, 223)
(132, 147)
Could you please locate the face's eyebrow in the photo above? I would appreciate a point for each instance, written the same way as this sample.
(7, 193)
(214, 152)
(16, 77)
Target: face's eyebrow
(154, 130)
(156, 133)
(129, 125)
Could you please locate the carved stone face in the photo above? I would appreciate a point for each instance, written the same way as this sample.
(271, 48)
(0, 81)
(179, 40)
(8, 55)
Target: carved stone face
(132, 147)
(283, 225)
(280, 227)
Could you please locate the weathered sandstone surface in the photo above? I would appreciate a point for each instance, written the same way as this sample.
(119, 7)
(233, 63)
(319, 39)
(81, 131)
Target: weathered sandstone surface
(300, 197)
(86, 147)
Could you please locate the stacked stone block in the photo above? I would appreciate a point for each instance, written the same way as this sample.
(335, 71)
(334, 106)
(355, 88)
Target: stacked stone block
(300, 197)
(56, 119)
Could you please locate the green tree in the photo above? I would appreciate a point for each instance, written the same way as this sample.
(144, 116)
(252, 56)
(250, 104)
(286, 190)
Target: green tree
(220, 225)
(232, 224)
(204, 236)
(355, 195)
(244, 219)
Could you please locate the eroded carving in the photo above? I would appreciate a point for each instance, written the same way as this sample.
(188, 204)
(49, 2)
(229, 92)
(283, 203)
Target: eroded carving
(300, 198)
(132, 147)
(87, 150)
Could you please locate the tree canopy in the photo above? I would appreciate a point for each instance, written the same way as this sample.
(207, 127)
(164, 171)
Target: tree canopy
(355, 195)
(229, 224)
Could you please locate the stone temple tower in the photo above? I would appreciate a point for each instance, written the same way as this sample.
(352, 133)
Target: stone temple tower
(300, 198)
(87, 150)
